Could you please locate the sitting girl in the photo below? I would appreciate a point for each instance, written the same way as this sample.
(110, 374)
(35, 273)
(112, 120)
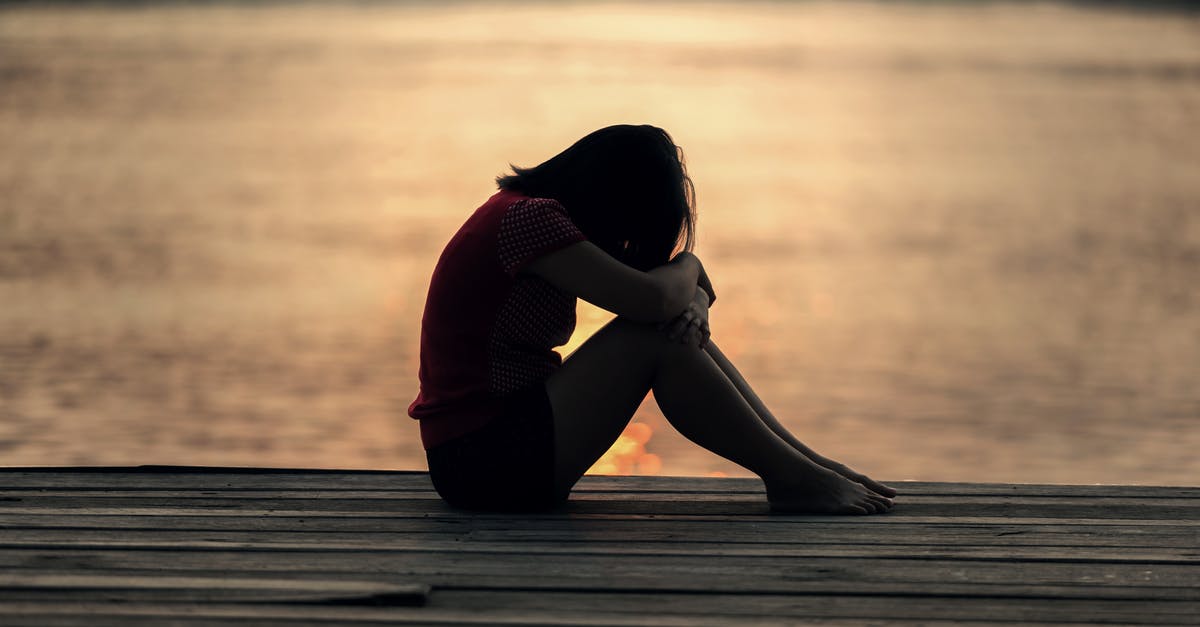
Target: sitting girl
(507, 424)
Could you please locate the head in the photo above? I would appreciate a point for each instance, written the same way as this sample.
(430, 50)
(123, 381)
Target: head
(627, 189)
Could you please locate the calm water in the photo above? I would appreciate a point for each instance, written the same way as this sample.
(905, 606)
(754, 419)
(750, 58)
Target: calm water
(952, 243)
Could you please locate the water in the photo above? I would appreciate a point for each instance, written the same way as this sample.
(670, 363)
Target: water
(950, 242)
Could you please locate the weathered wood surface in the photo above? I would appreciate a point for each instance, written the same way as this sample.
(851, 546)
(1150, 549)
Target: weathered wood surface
(246, 546)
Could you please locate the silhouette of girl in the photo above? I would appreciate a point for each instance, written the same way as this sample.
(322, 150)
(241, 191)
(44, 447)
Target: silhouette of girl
(506, 423)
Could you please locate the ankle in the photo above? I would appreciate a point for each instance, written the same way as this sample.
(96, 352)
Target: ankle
(808, 475)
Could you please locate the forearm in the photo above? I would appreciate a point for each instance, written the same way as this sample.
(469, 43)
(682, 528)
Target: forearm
(677, 281)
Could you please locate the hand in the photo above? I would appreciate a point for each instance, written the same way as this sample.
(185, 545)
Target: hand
(691, 326)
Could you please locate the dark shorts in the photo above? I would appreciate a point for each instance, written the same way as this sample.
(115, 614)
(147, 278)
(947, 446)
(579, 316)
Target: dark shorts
(508, 465)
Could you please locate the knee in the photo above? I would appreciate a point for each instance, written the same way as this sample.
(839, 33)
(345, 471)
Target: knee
(649, 336)
(640, 333)
(634, 327)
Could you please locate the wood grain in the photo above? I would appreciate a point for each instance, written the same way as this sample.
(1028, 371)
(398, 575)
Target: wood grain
(150, 545)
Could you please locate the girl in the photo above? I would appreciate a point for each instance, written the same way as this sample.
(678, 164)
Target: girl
(506, 424)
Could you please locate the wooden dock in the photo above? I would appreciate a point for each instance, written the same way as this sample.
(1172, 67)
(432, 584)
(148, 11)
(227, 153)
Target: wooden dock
(187, 546)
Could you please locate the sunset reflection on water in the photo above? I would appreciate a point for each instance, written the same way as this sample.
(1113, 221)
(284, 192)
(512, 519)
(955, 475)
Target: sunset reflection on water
(950, 242)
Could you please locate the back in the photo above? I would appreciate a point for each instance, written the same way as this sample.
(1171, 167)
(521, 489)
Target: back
(488, 330)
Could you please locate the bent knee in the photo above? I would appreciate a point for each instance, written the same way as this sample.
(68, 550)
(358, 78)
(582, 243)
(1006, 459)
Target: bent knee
(640, 332)
(636, 327)
(649, 336)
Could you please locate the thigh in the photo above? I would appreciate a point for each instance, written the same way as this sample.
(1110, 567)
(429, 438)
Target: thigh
(596, 392)
(508, 465)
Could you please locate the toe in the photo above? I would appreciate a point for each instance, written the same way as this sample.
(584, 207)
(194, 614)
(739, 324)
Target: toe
(883, 503)
(877, 487)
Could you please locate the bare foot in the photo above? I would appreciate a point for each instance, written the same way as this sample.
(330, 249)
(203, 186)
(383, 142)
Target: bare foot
(858, 477)
(825, 492)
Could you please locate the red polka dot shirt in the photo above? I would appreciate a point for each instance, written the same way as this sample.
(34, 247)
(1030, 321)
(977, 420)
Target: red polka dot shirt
(489, 330)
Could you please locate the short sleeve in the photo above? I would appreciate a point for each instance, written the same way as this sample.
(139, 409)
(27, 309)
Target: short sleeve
(531, 228)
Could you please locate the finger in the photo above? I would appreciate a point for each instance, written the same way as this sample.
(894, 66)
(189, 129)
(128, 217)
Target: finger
(668, 326)
(685, 326)
(678, 326)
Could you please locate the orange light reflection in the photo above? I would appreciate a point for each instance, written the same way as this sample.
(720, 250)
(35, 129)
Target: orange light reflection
(628, 456)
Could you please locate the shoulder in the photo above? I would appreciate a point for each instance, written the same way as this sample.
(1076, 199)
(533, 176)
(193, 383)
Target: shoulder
(531, 228)
(527, 213)
(540, 215)
(532, 208)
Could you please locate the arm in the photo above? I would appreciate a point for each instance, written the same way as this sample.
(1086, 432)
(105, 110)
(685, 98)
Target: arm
(691, 326)
(705, 284)
(586, 271)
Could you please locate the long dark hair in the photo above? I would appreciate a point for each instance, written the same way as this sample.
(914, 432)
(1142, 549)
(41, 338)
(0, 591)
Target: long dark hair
(626, 187)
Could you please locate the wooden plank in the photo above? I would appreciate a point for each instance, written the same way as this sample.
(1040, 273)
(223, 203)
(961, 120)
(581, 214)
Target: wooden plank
(982, 507)
(669, 581)
(318, 498)
(167, 470)
(600, 535)
(990, 508)
(284, 479)
(1189, 555)
(349, 500)
(118, 592)
(331, 499)
(226, 589)
(162, 541)
(16, 496)
(583, 570)
(667, 609)
(25, 479)
(785, 529)
(575, 543)
(906, 488)
(867, 607)
(216, 518)
(98, 614)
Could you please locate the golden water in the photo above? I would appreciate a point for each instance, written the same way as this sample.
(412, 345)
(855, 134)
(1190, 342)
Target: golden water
(950, 242)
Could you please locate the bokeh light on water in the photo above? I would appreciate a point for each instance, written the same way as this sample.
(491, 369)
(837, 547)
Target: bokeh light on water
(951, 242)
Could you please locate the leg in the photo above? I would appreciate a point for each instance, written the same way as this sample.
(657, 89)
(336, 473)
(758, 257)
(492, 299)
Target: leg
(600, 386)
(769, 419)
